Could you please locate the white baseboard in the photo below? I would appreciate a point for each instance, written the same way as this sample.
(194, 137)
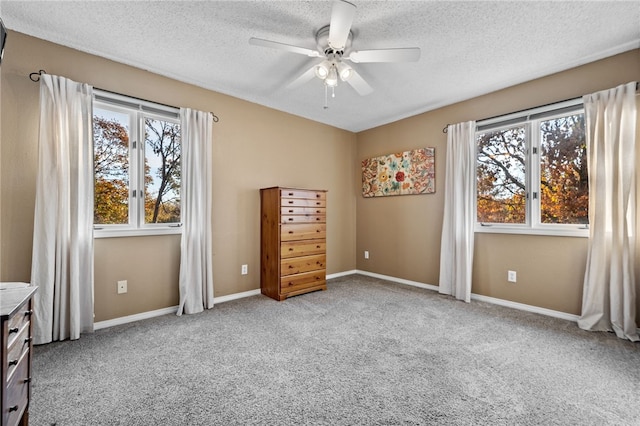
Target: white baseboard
(481, 298)
(341, 274)
(164, 311)
(135, 317)
(398, 280)
(235, 296)
(507, 303)
(523, 307)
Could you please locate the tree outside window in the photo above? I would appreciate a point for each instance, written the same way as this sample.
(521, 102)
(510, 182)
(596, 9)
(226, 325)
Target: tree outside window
(534, 173)
(135, 184)
(564, 179)
(162, 171)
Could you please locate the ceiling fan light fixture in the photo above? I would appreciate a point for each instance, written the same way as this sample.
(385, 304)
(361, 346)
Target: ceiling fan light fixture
(322, 70)
(344, 71)
(332, 77)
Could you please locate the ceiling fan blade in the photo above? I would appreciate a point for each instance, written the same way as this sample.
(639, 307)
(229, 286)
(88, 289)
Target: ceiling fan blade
(282, 46)
(342, 15)
(357, 82)
(407, 54)
(302, 79)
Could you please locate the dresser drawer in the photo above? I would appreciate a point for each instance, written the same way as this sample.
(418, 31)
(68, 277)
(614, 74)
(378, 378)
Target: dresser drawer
(302, 210)
(301, 193)
(302, 248)
(18, 392)
(17, 322)
(298, 265)
(299, 202)
(303, 231)
(315, 218)
(16, 348)
(297, 282)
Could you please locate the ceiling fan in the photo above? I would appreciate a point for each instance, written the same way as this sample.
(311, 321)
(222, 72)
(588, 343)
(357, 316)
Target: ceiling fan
(334, 47)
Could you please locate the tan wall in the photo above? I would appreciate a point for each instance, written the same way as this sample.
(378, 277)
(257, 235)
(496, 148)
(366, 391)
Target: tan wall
(254, 147)
(257, 147)
(403, 233)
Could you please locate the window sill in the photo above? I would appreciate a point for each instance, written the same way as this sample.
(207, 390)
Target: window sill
(563, 232)
(115, 233)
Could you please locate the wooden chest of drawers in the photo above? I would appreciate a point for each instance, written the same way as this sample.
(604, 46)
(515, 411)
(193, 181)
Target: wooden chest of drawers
(293, 241)
(16, 352)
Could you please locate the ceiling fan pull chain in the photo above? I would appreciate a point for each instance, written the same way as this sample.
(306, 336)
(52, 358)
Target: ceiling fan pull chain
(326, 101)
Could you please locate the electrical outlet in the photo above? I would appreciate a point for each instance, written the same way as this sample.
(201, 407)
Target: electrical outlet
(244, 270)
(366, 254)
(511, 276)
(122, 287)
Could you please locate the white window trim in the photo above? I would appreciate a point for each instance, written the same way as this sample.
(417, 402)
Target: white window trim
(99, 232)
(145, 108)
(529, 117)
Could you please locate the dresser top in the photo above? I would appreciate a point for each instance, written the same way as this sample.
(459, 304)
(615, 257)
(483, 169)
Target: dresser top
(11, 299)
(287, 188)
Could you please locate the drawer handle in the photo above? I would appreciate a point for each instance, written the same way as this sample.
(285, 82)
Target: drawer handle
(317, 195)
(318, 203)
(14, 330)
(317, 218)
(290, 267)
(291, 211)
(28, 313)
(27, 380)
(291, 232)
(317, 246)
(290, 201)
(291, 249)
(14, 408)
(13, 362)
(28, 339)
(290, 219)
(291, 194)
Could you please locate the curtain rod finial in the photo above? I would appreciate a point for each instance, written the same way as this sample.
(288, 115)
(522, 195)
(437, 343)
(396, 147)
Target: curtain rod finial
(35, 76)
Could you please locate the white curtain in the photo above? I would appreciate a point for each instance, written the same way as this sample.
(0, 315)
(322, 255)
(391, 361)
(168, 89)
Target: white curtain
(609, 294)
(196, 263)
(456, 249)
(62, 259)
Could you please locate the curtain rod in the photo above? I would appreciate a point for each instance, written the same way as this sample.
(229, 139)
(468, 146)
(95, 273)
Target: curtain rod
(35, 77)
(444, 130)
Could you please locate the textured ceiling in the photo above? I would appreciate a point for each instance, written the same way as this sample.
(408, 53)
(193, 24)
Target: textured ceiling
(468, 48)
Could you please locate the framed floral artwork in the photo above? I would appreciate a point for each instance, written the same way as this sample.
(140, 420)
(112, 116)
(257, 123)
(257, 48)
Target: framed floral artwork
(403, 173)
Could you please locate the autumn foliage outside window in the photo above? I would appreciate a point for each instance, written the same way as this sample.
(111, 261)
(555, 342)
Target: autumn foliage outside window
(533, 173)
(111, 168)
(136, 184)
(564, 179)
(501, 185)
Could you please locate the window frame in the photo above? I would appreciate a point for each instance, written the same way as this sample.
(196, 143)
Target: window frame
(137, 110)
(530, 119)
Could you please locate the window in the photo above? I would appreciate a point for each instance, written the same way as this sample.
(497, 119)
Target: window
(136, 166)
(532, 172)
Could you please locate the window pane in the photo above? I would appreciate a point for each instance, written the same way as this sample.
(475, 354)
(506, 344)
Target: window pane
(564, 182)
(501, 176)
(162, 171)
(111, 167)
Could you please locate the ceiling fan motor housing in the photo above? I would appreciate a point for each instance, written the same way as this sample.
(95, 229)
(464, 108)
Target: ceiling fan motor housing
(322, 40)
